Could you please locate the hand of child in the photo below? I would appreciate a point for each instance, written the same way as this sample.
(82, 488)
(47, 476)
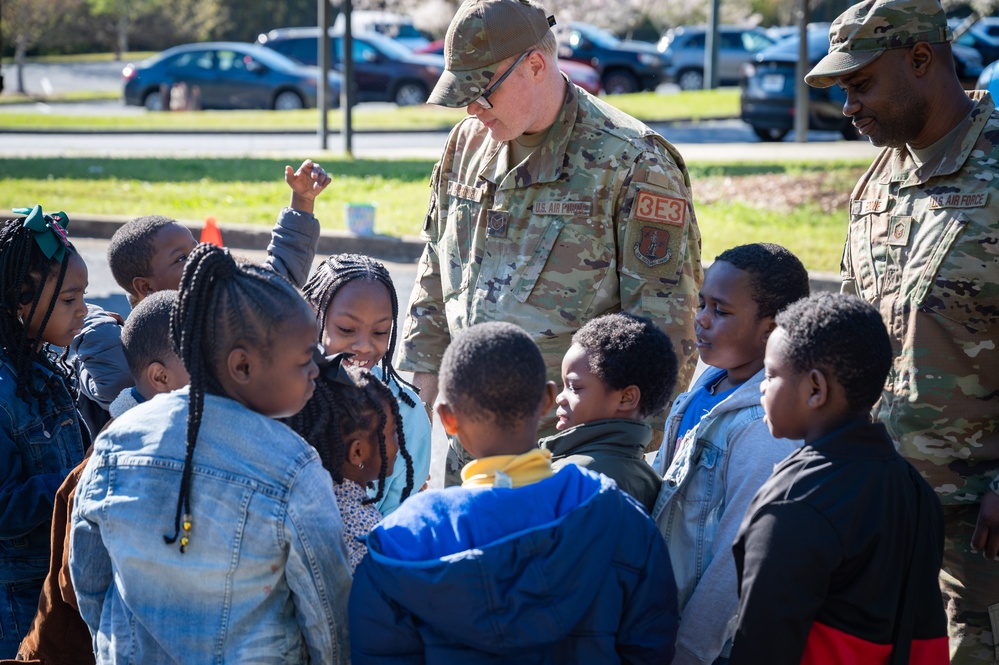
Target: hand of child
(306, 184)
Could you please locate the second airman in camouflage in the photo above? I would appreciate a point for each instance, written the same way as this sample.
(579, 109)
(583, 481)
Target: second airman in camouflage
(548, 207)
(923, 246)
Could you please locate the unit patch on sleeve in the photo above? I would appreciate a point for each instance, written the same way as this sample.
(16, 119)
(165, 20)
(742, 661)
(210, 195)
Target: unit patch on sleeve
(655, 234)
(659, 208)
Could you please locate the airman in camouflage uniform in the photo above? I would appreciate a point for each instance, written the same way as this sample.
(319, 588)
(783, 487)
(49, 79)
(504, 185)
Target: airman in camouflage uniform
(596, 219)
(923, 246)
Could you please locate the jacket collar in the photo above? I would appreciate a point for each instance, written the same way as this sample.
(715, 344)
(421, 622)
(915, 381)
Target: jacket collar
(629, 436)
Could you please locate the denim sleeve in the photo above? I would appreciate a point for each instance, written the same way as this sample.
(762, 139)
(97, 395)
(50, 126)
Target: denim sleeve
(89, 561)
(100, 361)
(715, 599)
(292, 249)
(380, 631)
(318, 570)
(25, 503)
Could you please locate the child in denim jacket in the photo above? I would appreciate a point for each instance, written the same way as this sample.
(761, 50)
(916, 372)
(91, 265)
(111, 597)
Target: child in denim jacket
(58, 635)
(204, 530)
(42, 282)
(717, 450)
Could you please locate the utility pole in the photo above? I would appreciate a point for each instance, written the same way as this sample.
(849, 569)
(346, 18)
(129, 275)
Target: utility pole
(323, 62)
(711, 43)
(800, 87)
(347, 88)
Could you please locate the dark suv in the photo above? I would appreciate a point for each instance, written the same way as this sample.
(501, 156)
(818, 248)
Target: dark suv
(384, 70)
(624, 66)
(768, 91)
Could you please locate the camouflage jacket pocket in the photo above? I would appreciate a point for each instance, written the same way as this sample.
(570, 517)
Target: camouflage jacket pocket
(454, 246)
(957, 281)
(565, 271)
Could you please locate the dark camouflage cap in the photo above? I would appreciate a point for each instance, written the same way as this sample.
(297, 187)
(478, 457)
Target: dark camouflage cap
(866, 30)
(483, 33)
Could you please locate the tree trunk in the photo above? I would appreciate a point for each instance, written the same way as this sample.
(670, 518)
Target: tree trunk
(19, 50)
(123, 26)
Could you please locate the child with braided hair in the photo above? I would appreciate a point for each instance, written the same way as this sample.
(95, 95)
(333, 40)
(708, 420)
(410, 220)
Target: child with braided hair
(353, 421)
(251, 565)
(42, 281)
(357, 309)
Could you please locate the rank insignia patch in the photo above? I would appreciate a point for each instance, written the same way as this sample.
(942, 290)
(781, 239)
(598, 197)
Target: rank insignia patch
(497, 222)
(653, 248)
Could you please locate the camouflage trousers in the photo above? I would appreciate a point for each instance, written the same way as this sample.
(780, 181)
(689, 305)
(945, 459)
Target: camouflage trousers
(457, 458)
(970, 587)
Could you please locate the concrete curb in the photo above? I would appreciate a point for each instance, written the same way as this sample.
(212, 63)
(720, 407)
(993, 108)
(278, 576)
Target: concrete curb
(248, 236)
(387, 248)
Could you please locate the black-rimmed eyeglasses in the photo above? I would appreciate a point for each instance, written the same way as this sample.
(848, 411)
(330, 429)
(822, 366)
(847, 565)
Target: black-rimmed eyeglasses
(483, 100)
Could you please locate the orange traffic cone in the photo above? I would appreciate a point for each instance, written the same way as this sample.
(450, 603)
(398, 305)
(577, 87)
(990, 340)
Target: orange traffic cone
(210, 233)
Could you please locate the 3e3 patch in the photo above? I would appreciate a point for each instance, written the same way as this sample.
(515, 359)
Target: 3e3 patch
(659, 208)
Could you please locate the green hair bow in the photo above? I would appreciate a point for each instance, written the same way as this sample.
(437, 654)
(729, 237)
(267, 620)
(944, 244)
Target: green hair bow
(49, 231)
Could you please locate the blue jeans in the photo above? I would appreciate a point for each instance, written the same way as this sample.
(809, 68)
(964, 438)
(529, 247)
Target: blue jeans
(18, 603)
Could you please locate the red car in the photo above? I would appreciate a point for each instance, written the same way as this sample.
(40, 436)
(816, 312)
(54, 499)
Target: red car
(584, 76)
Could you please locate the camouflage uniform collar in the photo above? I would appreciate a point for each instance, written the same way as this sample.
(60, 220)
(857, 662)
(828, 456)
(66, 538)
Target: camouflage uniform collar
(545, 164)
(904, 169)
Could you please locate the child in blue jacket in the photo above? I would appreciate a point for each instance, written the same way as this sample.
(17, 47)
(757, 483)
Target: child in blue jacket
(517, 565)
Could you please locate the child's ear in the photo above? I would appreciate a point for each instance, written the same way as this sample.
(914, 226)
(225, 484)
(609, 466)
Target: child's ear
(158, 376)
(769, 325)
(239, 365)
(630, 397)
(355, 449)
(548, 399)
(142, 286)
(818, 386)
(448, 418)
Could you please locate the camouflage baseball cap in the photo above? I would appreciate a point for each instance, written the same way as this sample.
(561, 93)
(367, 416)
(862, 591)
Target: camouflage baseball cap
(483, 33)
(866, 30)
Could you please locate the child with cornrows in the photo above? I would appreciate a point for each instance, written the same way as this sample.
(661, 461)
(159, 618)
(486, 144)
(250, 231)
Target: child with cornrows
(250, 565)
(42, 281)
(357, 309)
(353, 421)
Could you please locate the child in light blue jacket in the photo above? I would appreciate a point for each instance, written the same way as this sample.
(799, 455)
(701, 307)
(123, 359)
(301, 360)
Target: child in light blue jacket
(717, 450)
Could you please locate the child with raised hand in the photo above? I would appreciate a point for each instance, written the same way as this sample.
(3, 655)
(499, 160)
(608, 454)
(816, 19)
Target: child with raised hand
(250, 566)
(717, 450)
(42, 282)
(518, 565)
(148, 254)
(353, 421)
(58, 633)
(357, 310)
(620, 370)
(839, 552)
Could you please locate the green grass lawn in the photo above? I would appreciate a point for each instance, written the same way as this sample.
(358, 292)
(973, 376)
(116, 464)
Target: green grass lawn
(647, 106)
(251, 191)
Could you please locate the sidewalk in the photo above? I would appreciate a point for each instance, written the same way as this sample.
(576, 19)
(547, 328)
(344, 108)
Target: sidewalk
(387, 248)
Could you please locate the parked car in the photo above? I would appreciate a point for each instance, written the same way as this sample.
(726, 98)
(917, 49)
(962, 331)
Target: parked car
(967, 61)
(225, 75)
(684, 47)
(384, 70)
(767, 99)
(584, 76)
(624, 65)
(978, 38)
(397, 26)
(989, 80)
